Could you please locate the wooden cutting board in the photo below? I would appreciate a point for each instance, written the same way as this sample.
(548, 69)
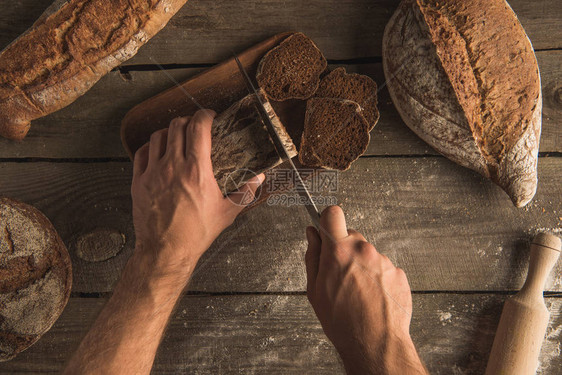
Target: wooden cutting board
(216, 88)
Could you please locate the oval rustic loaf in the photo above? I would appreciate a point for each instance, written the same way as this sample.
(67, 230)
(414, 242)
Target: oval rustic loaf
(68, 49)
(464, 77)
(35, 276)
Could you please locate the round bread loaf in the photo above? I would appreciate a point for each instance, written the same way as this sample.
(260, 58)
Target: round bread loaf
(464, 77)
(35, 276)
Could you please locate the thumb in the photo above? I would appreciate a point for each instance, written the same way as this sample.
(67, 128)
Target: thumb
(312, 259)
(332, 224)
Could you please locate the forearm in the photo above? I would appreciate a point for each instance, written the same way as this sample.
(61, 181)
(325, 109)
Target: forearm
(126, 334)
(395, 356)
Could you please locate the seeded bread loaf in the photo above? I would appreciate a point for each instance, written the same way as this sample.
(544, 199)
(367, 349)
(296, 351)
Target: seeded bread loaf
(70, 47)
(241, 145)
(464, 77)
(35, 276)
(291, 70)
(351, 86)
(335, 133)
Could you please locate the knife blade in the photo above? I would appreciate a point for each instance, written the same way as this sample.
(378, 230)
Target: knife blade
(302, 190)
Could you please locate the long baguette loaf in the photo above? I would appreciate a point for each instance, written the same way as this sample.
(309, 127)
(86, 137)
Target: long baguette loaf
(464, 77)
(68, 49)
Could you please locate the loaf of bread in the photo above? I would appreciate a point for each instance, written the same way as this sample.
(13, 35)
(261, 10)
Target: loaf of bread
(335, 133)
(292, 69)
(35, 276)
(70, 47)
(241, 145)
(464, 77)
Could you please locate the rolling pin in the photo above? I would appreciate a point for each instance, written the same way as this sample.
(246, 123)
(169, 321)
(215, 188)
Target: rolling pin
(525, 317)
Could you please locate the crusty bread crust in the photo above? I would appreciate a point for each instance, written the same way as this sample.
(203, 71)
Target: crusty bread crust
(35, 276)
(241, 143)
(470, 91)
(70, 47)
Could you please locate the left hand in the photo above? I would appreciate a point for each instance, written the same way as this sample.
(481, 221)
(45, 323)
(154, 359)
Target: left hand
(178, 208)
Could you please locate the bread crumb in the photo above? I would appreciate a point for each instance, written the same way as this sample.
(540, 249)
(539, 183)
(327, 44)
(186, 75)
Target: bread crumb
(444, 317)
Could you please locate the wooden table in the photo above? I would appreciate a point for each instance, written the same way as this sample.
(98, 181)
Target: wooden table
(461, 242)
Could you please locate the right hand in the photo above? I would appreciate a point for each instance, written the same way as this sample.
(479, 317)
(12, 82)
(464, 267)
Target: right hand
(362, 300)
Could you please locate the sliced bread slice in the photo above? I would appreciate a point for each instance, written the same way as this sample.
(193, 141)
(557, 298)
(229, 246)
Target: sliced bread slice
(335, 133)
(356, 87)
(292, 69)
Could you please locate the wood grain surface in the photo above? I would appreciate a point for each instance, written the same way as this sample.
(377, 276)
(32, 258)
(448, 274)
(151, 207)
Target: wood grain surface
(472, 239)
(461, 242)
(205, 31)
(281, 335)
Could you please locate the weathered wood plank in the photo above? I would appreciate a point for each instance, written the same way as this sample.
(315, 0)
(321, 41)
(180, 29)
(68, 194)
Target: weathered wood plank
(446, 226)
(90, 126)
(280, 335)
(206, 31)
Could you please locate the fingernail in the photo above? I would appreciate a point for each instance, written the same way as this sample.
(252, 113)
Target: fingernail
(258, 179)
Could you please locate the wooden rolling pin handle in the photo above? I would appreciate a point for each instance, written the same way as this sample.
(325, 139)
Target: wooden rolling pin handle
(525, 317)
(545, 250)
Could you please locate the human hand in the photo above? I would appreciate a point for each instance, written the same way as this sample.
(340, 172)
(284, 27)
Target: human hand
(362, 300)
(178, 208)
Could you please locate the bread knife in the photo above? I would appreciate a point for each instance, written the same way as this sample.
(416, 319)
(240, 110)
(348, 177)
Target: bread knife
(302, 190)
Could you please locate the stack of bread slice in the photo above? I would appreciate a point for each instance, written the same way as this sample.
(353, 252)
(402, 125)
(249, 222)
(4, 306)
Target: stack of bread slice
(341, 107)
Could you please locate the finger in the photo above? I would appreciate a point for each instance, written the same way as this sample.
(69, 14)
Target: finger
(198, 135)
(157, 145)
(366, 251)
(386, 263)
(241, 198)
(176, 137)
(312, 259)
(356, 235)
(141, 160)
(332, 224)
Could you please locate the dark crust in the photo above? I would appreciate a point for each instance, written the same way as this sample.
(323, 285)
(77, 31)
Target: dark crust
(291, 70)
(351, 86)
(487, 57)
(241, 143)
(439, 67)
(23, 273)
